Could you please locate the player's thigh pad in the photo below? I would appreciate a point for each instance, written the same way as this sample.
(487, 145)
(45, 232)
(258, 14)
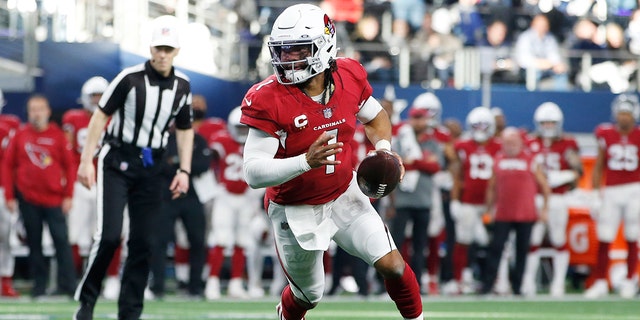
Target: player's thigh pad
(614, 199)
(632, 214)
(558, 219)
(467, 219)
(361, 231)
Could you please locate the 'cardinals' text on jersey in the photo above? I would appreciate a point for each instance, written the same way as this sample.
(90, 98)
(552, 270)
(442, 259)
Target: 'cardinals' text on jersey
(554, 157)
(621, 154)
(476, 169)
(286, 113)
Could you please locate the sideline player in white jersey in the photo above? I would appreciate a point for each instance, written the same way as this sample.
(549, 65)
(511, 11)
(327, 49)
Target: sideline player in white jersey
(559, 156)
(472, 170)
(618, 200)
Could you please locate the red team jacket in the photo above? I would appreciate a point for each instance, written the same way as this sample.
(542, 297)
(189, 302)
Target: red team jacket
(286, 113)
(39, 165)
(516, 188)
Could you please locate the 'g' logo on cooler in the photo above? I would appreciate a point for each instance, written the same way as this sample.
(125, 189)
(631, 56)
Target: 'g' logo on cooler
(300, 121)
(579, 237)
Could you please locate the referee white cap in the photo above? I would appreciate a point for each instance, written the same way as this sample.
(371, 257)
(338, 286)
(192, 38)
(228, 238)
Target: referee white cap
(165, 32)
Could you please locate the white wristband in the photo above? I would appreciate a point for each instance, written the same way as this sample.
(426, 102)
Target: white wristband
(383, 145)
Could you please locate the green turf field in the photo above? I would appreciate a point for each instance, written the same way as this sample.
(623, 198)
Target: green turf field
(347, 308)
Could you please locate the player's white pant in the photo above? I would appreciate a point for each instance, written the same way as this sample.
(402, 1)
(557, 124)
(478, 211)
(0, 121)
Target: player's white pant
(621, 202)
(81, 220)
(350, 220)
(231, 218)
(469, 225)
(556, 225)
(261, 247)
(7, 219)
(436, 220)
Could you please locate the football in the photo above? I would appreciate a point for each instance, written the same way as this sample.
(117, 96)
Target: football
(378, 174)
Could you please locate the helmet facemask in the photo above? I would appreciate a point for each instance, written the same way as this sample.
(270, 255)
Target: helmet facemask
(481, 124)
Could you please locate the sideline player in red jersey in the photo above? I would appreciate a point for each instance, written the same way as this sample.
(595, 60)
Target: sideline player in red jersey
(559, 156)
(302, 121)
(472, 170)
(8, 125)
(617, 161)
(232, 212)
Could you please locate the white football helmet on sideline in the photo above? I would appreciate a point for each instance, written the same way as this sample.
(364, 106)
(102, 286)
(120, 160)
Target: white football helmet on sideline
(95, 85)
(427, 105)
(626, 103)
(481, 124)
(548, 119)
(299, 28)
(238, 131)
(2, 101)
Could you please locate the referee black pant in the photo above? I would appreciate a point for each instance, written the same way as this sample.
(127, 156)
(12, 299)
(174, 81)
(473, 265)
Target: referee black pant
(122, 180)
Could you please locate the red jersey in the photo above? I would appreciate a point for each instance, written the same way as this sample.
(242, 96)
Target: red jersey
(10, 121)
(622, 154)
(553, 157)
(39, 165)
(230, 173)
(76, 121)
(515, 188)
(476, 168)
(8, 126)
(211, 127)
(286, 113)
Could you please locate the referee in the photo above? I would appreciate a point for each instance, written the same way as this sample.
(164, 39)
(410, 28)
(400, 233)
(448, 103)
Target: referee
(141, 102)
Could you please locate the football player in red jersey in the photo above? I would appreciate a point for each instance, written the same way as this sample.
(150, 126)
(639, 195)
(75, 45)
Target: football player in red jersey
(559, 156)
(617, 161)
(302, 120)
(472, 170)
(233, 210)
(8, 125)
(82, 216)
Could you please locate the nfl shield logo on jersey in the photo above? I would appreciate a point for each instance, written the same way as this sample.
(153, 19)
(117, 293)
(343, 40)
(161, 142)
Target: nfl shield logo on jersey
(328, 113)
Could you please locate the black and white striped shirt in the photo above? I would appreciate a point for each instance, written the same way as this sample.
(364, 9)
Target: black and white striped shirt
(142, 104)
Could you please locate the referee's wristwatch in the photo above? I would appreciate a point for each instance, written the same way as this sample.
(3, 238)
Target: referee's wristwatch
(180, 170)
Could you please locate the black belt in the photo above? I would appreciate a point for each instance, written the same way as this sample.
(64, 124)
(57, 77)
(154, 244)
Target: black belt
(132, 150)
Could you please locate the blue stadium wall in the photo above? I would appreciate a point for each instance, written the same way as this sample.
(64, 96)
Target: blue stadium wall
(67, 65)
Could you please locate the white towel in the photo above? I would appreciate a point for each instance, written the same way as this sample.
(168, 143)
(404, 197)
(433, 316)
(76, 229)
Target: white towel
(311, 225)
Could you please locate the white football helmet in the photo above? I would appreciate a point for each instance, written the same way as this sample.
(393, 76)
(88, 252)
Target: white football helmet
(548, 119)
(626, 103)
(2, 101)
(95, 85)
(428, 104)
(238, 131)
(481, 124)
(302, 26)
